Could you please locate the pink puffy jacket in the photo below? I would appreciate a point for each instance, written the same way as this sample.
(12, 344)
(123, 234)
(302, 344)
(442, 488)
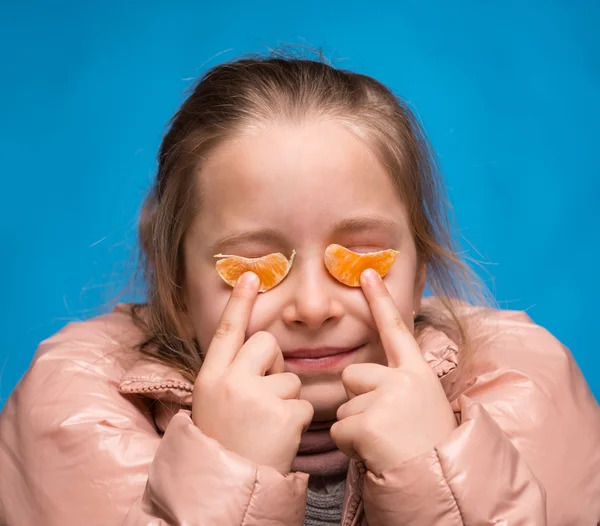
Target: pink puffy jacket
(96, 435)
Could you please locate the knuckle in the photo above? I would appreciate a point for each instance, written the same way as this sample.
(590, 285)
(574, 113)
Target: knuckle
(397, 323)
(294, 382)
(388, 399)
(370, 423)
(306, 410)
(230, 386)
(281, 413)
(407, 380)
(265, 338)
(349, 372)
(401, 382)
(257, 352)
(224, 329)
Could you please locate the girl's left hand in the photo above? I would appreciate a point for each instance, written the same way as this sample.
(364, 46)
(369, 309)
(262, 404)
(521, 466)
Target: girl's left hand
(393, 413)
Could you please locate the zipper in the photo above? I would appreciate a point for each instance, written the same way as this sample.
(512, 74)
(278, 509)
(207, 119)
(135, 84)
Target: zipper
(354, 506)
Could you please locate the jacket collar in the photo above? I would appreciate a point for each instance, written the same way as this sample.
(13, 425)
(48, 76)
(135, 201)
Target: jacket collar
(155, 380)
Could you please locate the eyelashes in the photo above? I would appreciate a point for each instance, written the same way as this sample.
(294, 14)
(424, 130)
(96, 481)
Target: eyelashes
(342, 263)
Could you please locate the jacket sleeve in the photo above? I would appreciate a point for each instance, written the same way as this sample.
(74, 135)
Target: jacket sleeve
(526, 452)
(73, 450)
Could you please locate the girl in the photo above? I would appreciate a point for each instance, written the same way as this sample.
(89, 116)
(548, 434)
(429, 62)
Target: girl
(315, 402)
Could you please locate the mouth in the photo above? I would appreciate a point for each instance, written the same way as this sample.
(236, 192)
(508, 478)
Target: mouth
(318, 359)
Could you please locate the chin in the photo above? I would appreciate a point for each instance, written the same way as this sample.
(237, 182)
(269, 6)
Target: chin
(325, 398)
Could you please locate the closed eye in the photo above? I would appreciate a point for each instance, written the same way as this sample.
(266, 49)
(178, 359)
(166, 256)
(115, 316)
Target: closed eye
(364, 249)
(249, 254)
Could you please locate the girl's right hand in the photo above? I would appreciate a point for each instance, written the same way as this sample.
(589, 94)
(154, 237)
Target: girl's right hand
(242, 396)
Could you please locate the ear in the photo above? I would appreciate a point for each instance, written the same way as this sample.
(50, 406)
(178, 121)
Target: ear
(420, 281)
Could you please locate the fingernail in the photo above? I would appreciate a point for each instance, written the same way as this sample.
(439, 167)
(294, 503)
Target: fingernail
(248, 279)
(371, 276)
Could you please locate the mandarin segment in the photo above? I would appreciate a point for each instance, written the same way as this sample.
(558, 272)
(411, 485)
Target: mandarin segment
(346, 266)
(271, 269)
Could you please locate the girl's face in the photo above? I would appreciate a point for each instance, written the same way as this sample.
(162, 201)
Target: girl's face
(301, 187)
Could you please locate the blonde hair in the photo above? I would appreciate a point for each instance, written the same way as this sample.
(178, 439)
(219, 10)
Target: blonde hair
(258, 89)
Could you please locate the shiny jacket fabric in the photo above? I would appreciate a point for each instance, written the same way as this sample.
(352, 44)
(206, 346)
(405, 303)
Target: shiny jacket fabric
(94, 434)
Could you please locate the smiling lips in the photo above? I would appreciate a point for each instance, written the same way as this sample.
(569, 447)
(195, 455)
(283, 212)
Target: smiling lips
(319, 358)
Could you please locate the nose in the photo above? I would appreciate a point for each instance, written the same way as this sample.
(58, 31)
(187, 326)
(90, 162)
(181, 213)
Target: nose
(311, 302)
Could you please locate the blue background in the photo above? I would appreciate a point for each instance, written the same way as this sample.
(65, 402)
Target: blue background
(508, 93)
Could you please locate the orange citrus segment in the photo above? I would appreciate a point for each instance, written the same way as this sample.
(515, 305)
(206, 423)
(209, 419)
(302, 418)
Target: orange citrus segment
(271, 269)
(346, 266)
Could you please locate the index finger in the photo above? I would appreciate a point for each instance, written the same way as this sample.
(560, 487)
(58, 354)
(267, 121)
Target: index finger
(231, 330)
(399, 344)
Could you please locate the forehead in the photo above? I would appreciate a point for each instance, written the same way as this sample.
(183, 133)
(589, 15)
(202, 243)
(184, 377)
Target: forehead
(299, 178)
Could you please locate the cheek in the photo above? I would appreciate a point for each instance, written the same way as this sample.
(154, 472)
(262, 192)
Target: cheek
(402, 291)
(205, 299)
(375, 354)
(401, 281)
(205, 314)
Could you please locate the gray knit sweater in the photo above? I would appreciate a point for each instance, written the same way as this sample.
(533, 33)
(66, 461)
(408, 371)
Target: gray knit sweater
(324, 501)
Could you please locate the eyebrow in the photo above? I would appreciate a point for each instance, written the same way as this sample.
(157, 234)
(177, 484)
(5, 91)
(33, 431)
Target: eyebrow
(276, 237)
(359, 224)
